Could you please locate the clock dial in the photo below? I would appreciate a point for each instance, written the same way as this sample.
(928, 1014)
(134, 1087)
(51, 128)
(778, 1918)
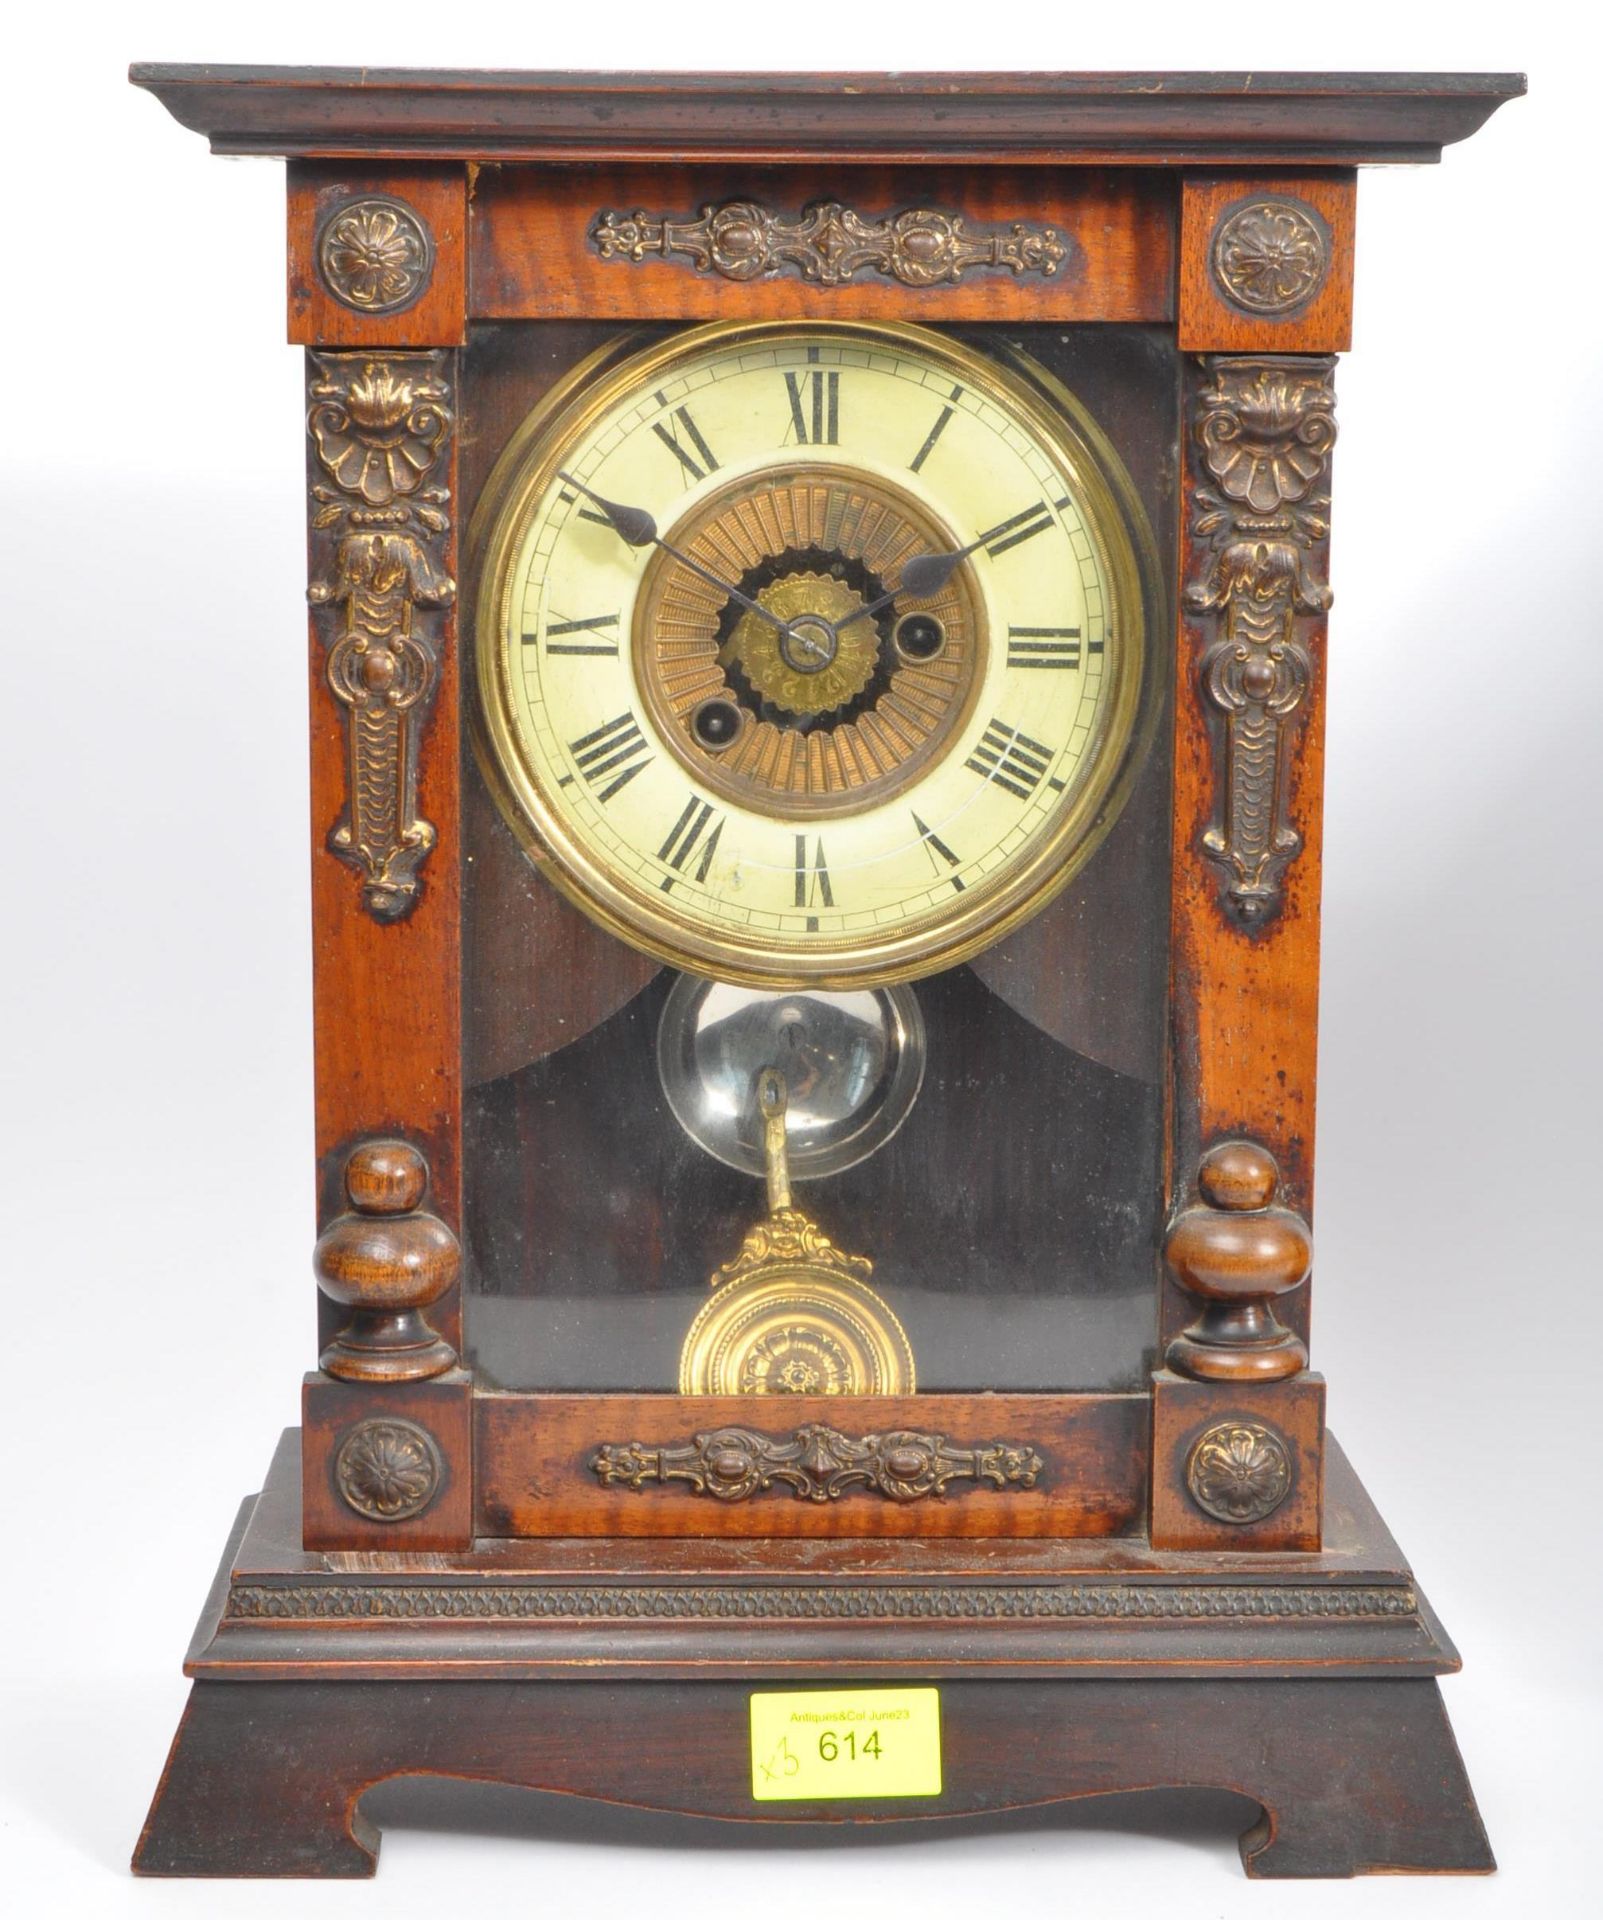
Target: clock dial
(809, 653)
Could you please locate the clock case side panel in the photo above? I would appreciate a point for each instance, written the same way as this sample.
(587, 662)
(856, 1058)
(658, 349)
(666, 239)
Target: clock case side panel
(1266, 265)
(389, 1406)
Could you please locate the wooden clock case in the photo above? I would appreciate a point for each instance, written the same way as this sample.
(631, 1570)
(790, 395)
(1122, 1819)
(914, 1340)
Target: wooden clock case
(439, 1574)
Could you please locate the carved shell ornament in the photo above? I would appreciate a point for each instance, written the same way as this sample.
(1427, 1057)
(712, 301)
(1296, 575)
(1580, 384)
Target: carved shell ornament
(1270, 256)
(830, 244)
(1267, 430)
(387, 1469)
(375, 255)
(1239, 1472)
(379, 435)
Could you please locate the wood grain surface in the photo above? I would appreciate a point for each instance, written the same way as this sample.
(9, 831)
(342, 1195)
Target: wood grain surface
(437, 196)
(267, 1780)
(1183, 1410)
(386, 994)
(533, 1455)
(1210, 322)
(1244, 996)
(532, 255)
(984, 119)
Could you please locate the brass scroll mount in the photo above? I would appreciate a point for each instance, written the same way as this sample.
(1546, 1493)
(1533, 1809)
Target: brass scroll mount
(818, 1464)
(380, 427)
(1263, 433)
(830, 244)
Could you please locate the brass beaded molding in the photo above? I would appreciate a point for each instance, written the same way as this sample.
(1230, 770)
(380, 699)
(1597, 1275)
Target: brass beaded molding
(455, 1602)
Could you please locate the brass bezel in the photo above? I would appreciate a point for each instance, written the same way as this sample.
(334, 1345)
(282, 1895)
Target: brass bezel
(976, 919)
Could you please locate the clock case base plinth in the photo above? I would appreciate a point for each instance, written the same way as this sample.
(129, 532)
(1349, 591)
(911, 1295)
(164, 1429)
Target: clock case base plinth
(620, 1671)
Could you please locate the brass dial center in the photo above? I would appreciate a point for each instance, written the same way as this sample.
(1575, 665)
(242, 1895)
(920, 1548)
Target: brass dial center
(821, 659)
(832, 714)
(809, 644)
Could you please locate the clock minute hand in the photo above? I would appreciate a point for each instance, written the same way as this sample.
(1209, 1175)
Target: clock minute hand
(636, 528)
(922, 578)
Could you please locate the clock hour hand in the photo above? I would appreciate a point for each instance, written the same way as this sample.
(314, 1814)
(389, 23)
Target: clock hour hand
(633, 525)
(636, 528)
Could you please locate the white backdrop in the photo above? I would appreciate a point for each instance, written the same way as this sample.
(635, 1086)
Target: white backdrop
(157, 1123)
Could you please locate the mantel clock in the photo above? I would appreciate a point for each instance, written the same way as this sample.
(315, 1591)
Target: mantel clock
(817, 596)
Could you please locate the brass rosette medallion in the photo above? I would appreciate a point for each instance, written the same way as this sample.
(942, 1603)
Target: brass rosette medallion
(388, 1469)
(1239, 1471)
(835, 712)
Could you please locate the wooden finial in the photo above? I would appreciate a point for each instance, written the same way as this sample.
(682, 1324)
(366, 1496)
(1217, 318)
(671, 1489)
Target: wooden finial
(1237, 1252)
(388, 1260)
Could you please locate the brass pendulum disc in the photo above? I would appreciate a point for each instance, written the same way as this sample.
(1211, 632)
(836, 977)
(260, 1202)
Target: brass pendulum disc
(792, 1313)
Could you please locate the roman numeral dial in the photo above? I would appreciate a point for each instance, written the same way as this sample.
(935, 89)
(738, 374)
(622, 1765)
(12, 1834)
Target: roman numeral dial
(611, 755)
(1048, 647)
(1009, 757)
(812, 874)
(809, 652)
(679, 433)
(814, 406)
(692, 841)
(596, 636)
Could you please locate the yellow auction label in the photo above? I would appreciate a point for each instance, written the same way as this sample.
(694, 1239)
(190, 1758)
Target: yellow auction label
(872, 1743)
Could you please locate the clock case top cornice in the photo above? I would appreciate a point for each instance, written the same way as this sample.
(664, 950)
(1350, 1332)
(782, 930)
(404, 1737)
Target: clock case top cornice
(1135, 119)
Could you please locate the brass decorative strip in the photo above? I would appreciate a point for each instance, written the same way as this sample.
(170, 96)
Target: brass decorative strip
(380, 429)
(830, 244)
(816, 1463)
(1263, 434)
(487, 1601)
